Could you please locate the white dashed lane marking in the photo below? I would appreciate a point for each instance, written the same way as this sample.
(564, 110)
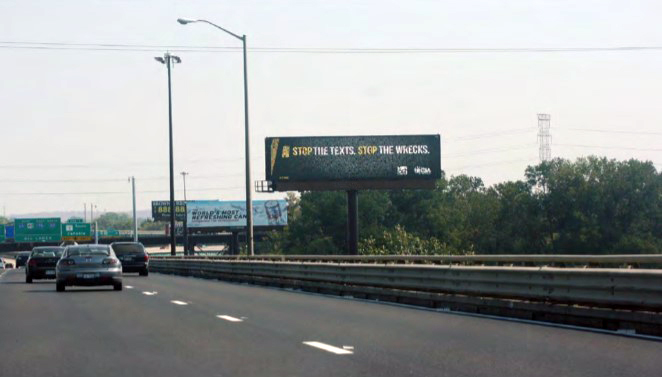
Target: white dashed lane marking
(330, 348)
(229, 318)
(177, 302)
(128, 286)
(150, 293)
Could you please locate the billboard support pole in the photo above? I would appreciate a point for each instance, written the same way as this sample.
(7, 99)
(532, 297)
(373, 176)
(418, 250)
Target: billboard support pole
(353, 221)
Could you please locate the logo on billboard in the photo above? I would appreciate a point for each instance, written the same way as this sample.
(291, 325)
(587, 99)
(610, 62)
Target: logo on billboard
(286, 151)
(422, 170)
(402, 170)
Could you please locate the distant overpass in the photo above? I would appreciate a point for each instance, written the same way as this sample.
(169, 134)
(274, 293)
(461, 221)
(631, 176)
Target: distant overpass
(145, 239)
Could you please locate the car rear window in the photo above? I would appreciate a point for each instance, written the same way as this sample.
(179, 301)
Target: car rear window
(100, 251)
(47, 253)
(122, 249)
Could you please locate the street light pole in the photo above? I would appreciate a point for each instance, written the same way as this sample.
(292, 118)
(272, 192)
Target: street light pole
(249, 200)
(135, 220)
(184, 174)
(168, 60)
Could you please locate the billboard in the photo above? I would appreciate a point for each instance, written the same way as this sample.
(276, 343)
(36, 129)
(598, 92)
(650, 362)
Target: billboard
(161, 210)
(2, 233)
(76, 231)
(391, 160)
(232, 214)
(38, 230)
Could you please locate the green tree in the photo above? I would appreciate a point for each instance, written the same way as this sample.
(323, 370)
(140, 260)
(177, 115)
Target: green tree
(113, 220)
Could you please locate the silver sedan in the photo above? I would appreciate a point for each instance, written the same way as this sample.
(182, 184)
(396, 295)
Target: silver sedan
(88, 265)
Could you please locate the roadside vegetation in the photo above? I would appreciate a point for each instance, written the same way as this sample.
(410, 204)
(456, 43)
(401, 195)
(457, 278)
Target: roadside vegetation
(588, 206)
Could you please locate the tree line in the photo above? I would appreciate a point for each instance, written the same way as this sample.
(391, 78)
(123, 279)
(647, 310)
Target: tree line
(588, 206)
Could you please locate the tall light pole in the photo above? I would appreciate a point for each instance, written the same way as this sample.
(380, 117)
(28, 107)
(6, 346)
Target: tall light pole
(169, 60)
(135, 220)
(249, 201)
(184, 174)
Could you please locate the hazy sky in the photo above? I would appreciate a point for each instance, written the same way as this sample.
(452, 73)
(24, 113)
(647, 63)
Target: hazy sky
(77, 123)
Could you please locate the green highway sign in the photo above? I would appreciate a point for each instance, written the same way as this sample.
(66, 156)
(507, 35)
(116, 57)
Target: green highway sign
(38, 230)
(76, 231)
(75, 220)
(2, 233)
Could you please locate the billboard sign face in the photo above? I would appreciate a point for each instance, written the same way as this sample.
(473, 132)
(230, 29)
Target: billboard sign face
(393, 158)
(76, 231)
(2, 233)
(38, 230)
(161, 210)
(232, 214)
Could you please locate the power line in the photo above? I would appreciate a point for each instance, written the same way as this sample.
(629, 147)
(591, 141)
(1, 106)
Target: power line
(489, 150)
(611, 131)
(513, 131)
(611, 147)
(307, 50)
(494, 163)
(120, 164)
(116, 192)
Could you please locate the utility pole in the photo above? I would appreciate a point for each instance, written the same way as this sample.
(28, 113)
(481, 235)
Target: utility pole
(135, 220)
(169, 60)
(184, 174)
(250, 247)
(85, 212)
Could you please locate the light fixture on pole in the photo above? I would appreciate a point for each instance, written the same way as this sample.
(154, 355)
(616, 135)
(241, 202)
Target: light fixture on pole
(169, 60)
(249, 202)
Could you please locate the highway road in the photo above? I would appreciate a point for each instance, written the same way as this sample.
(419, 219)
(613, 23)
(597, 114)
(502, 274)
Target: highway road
(175, 326)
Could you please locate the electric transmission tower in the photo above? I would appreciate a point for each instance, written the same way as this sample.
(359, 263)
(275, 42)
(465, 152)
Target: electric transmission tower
(544, 138)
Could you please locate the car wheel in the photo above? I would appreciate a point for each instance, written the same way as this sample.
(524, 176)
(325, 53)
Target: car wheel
(59, 287)
(117, 286)
(144, 272)
(28, 279)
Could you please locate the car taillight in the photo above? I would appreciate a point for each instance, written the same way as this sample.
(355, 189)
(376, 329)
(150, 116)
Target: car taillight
(67, 262)
(111, 261)
(146, 257)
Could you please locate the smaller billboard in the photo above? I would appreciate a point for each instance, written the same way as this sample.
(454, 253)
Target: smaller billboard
(232, 214)
(161, 210)
(38, 230)
(2, 233)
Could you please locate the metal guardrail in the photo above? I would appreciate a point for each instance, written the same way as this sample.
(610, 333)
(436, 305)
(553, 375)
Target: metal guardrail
(634, 289)
(562, 260)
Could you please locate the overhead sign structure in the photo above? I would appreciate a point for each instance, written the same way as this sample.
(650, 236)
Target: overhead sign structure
(9, 231)
(76, 231)
(38, 230)
(232, 214)
(161, 210)
(2, 233)
(353, 162)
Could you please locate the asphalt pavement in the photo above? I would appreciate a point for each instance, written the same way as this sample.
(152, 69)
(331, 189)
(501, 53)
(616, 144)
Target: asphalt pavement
(175, 326)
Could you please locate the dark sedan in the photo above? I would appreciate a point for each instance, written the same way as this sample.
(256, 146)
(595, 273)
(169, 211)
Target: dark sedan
(133, 257)
(22, 258)
(42, 261)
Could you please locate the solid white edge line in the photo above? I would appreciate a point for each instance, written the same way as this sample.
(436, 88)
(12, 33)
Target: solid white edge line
(177, 302)
(328, 348)
(229, 318)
